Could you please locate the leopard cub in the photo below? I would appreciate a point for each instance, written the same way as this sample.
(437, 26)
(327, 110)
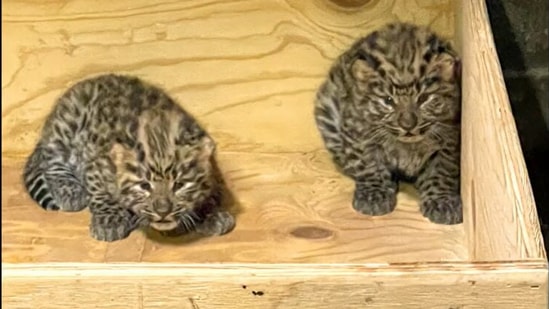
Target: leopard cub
(389, 110)
(127, 151)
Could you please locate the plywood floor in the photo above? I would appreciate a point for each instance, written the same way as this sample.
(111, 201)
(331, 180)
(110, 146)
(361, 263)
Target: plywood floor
(248, 71)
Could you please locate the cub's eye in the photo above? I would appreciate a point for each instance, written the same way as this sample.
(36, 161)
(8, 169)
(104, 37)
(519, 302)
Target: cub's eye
(422, 98)
(178, 185)
(145, 186)
(388, 101)
(431, 80)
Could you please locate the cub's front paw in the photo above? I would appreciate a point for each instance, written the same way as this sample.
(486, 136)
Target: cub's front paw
(374, 201)
(443, 210)
(70, 195)
(218, 223)
(112, 227)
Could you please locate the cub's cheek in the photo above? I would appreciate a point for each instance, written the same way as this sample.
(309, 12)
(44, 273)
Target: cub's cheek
(137, 205)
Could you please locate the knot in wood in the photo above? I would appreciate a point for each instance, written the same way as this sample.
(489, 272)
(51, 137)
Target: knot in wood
(350, 3)
(311, 232)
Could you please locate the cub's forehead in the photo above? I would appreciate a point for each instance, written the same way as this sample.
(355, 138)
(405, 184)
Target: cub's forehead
(398, 35)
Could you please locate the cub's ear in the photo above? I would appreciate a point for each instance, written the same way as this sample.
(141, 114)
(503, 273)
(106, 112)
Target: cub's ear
(447, 66)
(120, 155)
(200, 153)
(442, 60)
(364, 66)
(206, 149)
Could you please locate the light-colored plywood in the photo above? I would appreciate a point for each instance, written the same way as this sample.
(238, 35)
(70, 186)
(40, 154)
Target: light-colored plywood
(248, 70)
(291, 210)
(310, 286)
(501, 218)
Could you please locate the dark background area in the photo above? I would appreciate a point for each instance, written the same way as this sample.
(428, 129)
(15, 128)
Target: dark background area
(520, 30)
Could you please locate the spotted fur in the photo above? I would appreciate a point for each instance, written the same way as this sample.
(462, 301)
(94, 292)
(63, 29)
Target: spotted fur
(129, 152)
(389, 110)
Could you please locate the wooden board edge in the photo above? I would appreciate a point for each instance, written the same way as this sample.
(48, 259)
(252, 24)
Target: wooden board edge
(289, 269)
(435, 285)
(500, 215)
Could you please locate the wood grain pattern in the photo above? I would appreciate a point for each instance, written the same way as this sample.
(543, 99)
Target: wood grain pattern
(501, 218)
(248, 70)
(311, 286)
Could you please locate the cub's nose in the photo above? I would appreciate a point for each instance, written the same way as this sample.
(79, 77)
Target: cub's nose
(407, 122)
(162, 207)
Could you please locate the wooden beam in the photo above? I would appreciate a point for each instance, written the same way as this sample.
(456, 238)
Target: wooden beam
(445, 285)
(500, 214)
